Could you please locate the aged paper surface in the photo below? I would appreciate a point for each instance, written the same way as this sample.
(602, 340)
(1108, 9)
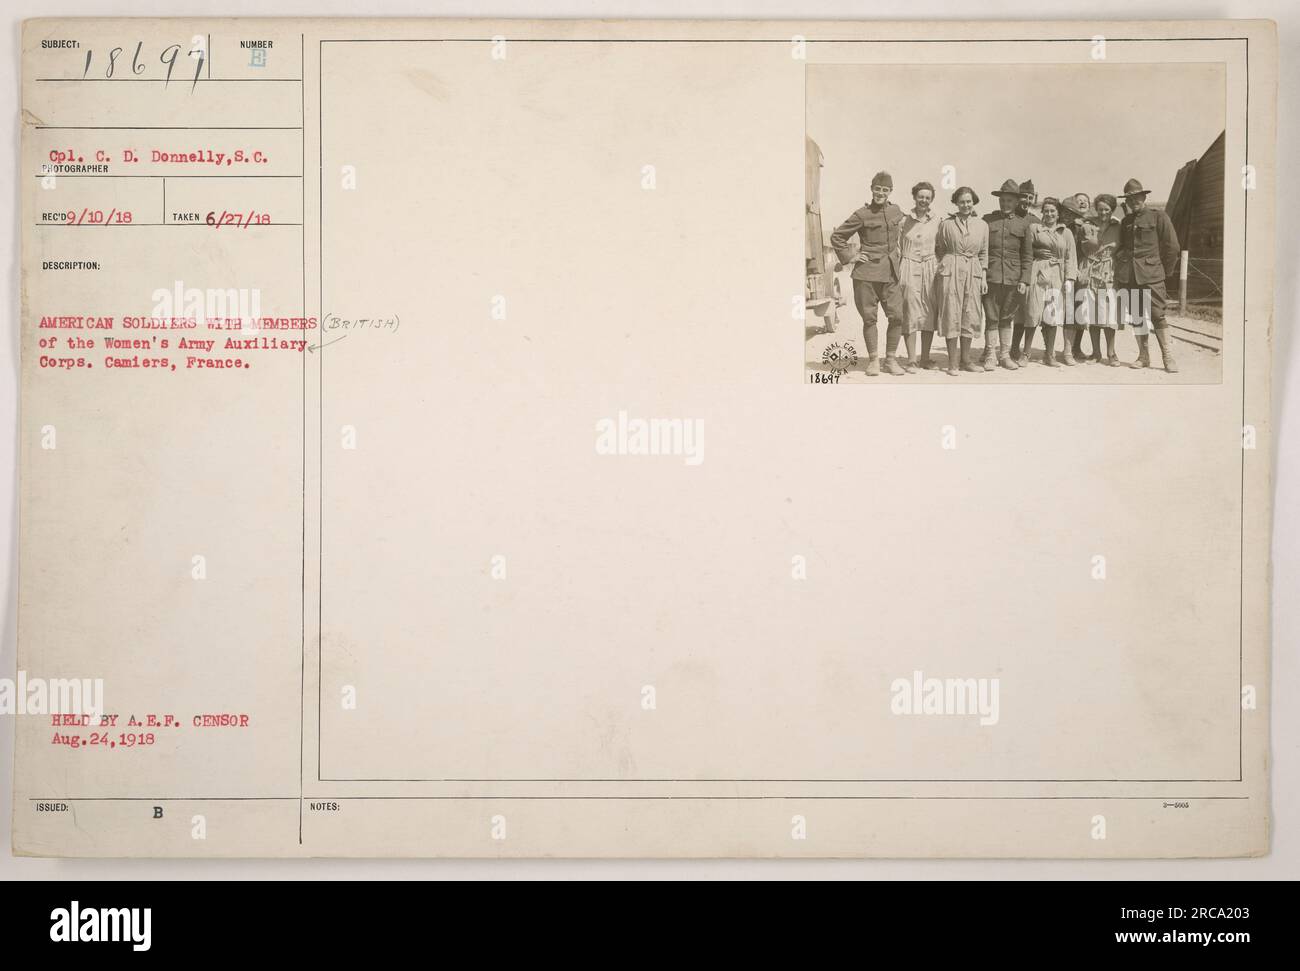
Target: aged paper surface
(434, 443)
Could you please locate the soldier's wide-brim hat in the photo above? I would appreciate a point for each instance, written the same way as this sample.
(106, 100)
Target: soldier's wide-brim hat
(1134, 188)
(1009, 188)
(1027, 188)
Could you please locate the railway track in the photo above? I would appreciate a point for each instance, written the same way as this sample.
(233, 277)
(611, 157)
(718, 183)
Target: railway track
(1197, 336)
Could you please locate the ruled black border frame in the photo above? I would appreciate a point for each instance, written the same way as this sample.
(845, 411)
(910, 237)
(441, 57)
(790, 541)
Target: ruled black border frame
(301, 797)
(320, 74)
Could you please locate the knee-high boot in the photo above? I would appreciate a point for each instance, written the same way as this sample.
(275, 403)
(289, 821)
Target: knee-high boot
(893, 334)
(1167, 349)
(870, 337)
(927, 339)
(1004, 349)
(909, 341)
(1049, 342)
(1144, 352)
(966, 363)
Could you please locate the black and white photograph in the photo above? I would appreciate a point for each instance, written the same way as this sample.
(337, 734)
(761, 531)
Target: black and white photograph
(412, 477)
(1015, 223)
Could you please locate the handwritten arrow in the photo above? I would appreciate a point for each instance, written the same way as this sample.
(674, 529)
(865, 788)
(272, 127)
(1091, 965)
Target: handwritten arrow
(326, 344)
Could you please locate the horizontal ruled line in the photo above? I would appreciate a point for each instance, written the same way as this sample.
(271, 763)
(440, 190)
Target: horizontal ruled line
(179, 79)
(760, 40)
(163, 799)
(205, 225)
(1154, 798)
(1158, 798)
(169, 127)
(812, 781)
(61, 175)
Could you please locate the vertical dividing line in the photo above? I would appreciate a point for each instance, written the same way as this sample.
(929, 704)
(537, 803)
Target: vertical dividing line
(320, 399)
(1241, 549)
(302, 603)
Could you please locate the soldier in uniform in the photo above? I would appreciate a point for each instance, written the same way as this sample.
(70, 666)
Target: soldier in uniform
(1148, 253)
(1010, 255)
(1028, 196)
(1028, 200)
(875, 268)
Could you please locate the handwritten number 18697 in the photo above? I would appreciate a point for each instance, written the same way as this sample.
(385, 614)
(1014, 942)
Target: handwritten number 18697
(138, 66)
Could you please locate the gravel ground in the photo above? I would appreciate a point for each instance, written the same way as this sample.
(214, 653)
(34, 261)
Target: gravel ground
(1197, 364)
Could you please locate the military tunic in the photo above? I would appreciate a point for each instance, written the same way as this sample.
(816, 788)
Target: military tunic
(1147, 255)
(1022, 313)
(875, 266)
(1009, 257)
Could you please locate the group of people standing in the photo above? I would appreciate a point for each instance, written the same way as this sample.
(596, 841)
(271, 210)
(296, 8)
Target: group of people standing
(1007, 275)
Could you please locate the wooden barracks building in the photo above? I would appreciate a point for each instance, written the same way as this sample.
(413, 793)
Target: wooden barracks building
(1196, 207)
